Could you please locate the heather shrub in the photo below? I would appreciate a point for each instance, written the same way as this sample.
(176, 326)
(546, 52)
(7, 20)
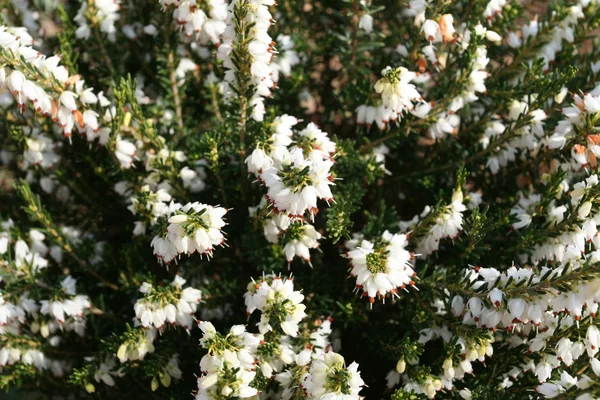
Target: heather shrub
(334, 199)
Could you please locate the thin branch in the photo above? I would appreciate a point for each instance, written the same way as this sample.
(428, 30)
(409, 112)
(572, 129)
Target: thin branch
(175, 90)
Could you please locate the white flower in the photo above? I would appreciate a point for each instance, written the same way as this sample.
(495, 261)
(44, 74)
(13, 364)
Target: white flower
(164, 249)
(125, 152)
(149, 206)
(105, 372)
(328, 378)
(72, 305)
(397, 93)
(50, 91)
(315, 143)
(195, 227)
(40, 151)
(173, 305)
(193, 179)
(366, 23)
(440, 31)
(296, 185)
(138, 344)
(549, 390)
(257, 44)
(448, 224)
(275, 150)
(203, 24)
(382, 268)
(106, 14)
(277, 301)
(300, 238)
(229, 364)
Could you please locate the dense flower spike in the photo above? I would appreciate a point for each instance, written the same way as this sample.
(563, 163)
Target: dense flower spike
(197, 227)
(48, 317)
(50, 91)
(228, 366)
(297, 357)
(246, 38)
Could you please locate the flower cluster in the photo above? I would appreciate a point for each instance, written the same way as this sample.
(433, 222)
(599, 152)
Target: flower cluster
(441, 30)
(137, 344)
(149, 206)
(71, 305)
(204, 22)
(569, 244)
(329, 377)
(455, 367)
(273, 150)
(105, 14)
(562, 30)
(381, 267)
(194, 227)
(228, 367)
(286, 58)
(447, 223)
(525, 137)
(45, 314)
(482, 114)
(295, 168)
(295, 186)
(171, 304)
(397, 92)
(280, 305)
(296, 359)
(472, 77)
(521, 303)
(297, 237)
(52, 91)
(579, 116)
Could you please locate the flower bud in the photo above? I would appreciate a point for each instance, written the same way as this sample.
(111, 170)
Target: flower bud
(457, 196)
(121, 353)
(44, 331)
(560, 96)
(127, 119)
(226, 391)
(165, 379)
(493, 37)
(401, 366)
(178, 219)
(584, 210)
(578, 192)
(465, 394)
